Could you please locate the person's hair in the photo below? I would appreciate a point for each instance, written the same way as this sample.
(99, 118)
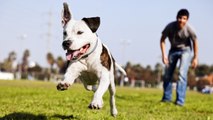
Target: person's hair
(183, 12)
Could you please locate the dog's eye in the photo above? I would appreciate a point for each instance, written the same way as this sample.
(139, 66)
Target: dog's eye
(80, 32)
(65, 33)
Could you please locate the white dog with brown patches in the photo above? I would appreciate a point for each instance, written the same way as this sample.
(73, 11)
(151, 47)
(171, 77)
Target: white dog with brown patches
(88, 57)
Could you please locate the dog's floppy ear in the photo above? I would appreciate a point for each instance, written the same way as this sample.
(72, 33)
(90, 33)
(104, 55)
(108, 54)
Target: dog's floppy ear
(93, 23)
(66, 15)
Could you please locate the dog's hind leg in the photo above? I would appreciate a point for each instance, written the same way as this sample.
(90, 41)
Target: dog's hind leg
(89, 79)
(112, 91)
(87, 87)
(90, 87)
(94, 88)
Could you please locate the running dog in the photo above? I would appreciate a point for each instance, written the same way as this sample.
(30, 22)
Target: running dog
(88, 58)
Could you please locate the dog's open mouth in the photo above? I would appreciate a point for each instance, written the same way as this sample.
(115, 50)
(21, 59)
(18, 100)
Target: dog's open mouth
(75, 54)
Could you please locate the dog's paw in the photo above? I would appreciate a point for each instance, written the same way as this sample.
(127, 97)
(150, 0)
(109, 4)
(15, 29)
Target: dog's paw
(62, 86)
(96, 104)
(114, 112)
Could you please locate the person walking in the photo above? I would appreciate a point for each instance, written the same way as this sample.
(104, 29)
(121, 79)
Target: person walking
(184, 48)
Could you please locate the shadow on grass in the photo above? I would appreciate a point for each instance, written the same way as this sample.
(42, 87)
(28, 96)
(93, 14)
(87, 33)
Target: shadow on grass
(23, 116)
(64, 117)
(30, 116)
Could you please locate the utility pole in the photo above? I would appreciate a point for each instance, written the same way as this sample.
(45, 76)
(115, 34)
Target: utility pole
(124, 44)
(49, 32)
(22, 38)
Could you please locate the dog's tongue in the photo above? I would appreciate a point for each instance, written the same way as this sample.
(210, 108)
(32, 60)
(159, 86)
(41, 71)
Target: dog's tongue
(71, 55)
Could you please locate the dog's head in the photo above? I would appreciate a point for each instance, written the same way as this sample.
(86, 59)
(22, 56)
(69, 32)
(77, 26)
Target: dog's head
(79, 37)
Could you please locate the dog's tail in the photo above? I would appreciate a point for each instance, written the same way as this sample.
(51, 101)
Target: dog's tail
(121, 69)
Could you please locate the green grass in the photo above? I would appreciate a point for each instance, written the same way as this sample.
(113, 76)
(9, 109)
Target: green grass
(27, 100)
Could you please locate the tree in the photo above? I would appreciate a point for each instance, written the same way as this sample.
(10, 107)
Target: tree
(191, 79)
(23, 67)
(25, 60)
(9, 63)
(158, 72)
(129, 71)
(61, 64)
(202, 70)
(211, 69)
(147, 73)
(50, 60)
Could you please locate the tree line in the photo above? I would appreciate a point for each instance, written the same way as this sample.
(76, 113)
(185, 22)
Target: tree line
(136, 73)
(197, 78)
(26, 69)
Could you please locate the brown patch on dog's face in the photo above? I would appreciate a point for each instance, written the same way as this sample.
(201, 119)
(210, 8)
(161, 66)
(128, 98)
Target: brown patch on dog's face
(105, 58)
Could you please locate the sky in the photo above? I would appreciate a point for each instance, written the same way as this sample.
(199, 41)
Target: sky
(130, 29)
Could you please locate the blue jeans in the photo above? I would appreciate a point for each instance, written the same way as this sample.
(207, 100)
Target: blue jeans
(184, 56)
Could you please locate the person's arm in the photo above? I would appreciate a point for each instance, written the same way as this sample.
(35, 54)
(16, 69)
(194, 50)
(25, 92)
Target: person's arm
(163, 50)
(195, 58)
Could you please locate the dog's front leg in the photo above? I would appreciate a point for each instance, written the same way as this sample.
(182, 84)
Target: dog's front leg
(97, 101)
(73, 71)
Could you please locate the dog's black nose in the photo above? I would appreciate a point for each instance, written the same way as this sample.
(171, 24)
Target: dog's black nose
(66, 44)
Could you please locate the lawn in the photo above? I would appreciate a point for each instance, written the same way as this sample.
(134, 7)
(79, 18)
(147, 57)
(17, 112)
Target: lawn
(27, 100)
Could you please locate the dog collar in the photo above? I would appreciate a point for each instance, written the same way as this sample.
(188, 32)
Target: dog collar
(85, 56)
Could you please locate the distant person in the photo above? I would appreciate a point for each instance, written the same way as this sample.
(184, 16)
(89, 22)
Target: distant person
(183, 42)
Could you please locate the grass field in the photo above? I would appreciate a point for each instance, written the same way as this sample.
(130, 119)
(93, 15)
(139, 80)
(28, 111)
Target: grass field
(27, 100)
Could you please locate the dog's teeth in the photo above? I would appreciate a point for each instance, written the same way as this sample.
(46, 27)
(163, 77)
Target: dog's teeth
(81, 49)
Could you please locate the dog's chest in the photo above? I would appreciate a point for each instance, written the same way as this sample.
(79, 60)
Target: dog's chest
(89, 77)
(94, 64)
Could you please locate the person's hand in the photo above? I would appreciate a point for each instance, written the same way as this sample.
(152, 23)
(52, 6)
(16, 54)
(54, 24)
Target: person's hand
(194, 62)
(165, 61)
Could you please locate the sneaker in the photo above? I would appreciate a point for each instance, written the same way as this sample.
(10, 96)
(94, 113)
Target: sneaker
(178, 104)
